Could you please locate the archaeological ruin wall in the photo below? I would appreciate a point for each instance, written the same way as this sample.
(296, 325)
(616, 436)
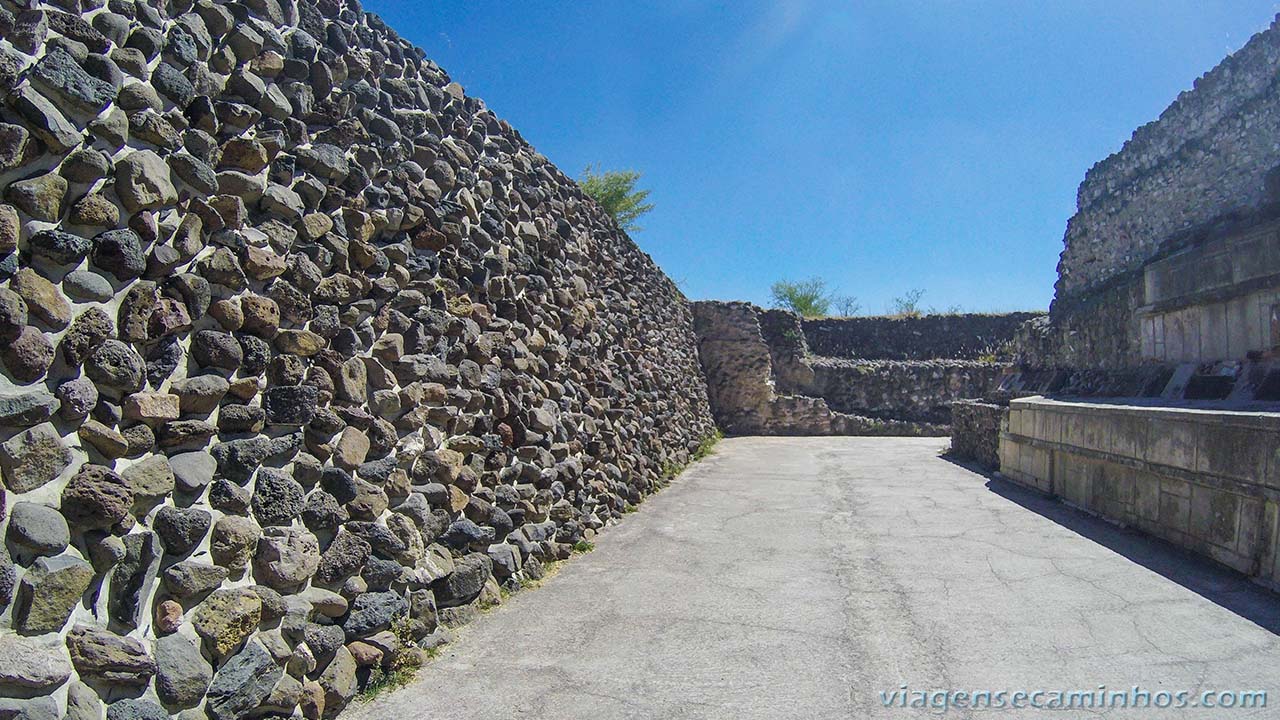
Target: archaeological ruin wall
(957, 336)
(306, 355)
(909, 368)
(1170, 255)
(1150, 394)
(765, 374)
(1208, 158)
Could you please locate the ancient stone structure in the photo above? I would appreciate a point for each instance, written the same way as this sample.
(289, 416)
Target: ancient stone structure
(975, 431)
(968, 336)
(1195, 189)
(1207, 158)
(305, 353)
(1159, 356)
(763, 376)
(1207, 480)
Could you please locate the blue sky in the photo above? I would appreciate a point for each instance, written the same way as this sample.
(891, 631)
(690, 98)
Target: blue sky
(883, 146)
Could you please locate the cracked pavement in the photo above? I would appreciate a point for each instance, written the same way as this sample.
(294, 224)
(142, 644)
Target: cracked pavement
(799, 577)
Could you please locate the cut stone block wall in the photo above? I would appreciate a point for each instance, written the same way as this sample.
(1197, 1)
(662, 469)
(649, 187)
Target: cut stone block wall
(305, 354)
(1217, 301)
(1169, 256)
(1205, 479)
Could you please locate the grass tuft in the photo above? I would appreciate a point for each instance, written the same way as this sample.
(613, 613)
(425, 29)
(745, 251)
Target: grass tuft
(381, 681)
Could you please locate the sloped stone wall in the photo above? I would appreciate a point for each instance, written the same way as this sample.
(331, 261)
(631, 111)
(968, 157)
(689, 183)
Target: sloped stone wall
(305, 353)
(1210, 155)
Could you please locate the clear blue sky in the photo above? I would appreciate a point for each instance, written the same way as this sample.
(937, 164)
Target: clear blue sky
(883, 145)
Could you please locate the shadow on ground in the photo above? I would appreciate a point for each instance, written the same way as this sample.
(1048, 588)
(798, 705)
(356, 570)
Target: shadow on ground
(1220, 585)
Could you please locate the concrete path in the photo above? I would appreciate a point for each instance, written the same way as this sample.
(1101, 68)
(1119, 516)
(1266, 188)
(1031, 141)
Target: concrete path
(799, 577)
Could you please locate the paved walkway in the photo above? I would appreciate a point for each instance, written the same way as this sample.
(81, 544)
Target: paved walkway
(799, 577)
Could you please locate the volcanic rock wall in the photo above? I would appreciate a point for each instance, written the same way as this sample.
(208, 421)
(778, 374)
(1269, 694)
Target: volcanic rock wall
(1181, 199)
(1209, 155)
(305, 352)
(763, 378)
(975, 432)
(918, 391)
(968, 336)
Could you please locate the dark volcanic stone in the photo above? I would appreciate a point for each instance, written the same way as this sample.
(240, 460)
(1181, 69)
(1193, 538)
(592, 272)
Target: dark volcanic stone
(238, 459)
(162, 359)
(28, 356)
(96, 497)
(241, 419)
(322, 512)
(60, 74)
(119, 252)
(463, 534)
(380, 573)
(116, 365)
(242, 683)
(290, 404)
(173, 84)
(380, 538)
(85, 336)
(323, 640)
(135, 709)
(339, 483)
(190, 578)
(373, 612)
(228, 497)
(181, 529)
(216, 349)
(132, 577)
(61, 247)
(465, 582)
(345, 556)
(277, 498)
(76, 28)
(257, 354)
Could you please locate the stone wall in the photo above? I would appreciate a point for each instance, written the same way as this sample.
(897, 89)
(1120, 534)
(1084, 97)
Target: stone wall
(305, 354)
(1208, 157)
(975, 432)
(1095, 330)
(763, 377)
(1169, 257)
(928, 337)
(759, 377)
(1204, 479)
(916, 391)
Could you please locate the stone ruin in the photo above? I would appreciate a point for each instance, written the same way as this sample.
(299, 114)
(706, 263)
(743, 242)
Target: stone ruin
(306, 356)
(770, 372)
(1149, 394)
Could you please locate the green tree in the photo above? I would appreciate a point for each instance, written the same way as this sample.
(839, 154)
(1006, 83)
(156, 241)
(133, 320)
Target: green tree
(616, 192)
(807, 298)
